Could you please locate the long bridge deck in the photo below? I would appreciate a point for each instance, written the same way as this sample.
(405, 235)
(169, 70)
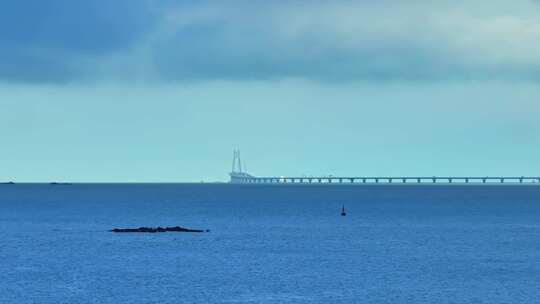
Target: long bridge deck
(245, 178)
(239, 176)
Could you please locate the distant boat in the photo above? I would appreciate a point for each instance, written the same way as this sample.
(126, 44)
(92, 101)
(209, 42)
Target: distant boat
(8, 183)
(343, 213)
(57, 183)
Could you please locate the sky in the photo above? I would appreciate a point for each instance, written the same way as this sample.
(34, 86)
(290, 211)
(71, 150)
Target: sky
(163, 91)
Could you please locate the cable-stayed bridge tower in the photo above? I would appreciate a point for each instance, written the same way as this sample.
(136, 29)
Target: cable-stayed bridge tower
(237, 174)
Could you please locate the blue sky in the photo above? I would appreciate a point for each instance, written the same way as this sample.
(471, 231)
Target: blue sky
(145, 90)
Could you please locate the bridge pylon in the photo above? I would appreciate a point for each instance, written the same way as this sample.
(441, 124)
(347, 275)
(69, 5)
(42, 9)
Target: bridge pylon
(238, 175)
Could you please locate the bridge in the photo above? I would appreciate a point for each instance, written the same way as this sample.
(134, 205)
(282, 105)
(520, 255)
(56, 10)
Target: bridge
(239, 176)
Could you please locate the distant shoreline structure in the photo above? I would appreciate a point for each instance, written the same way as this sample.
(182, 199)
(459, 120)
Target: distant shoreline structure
(239, 175)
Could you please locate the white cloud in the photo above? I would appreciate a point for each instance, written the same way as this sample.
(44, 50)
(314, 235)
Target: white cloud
(388, 39)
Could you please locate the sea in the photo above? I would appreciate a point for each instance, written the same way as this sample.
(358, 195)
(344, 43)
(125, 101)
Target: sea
(270, 244)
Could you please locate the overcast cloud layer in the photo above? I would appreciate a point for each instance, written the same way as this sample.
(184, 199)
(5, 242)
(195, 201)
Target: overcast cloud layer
(64, 40)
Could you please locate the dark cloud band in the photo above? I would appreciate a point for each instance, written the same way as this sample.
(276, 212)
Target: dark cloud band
(63, 40)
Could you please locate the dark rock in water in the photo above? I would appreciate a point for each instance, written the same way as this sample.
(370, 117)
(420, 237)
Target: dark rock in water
(158, 229)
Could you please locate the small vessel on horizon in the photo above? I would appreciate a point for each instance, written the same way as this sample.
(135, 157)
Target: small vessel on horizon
(343, 213)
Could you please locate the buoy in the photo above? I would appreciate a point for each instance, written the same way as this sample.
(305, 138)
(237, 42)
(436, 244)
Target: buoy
(343, 211)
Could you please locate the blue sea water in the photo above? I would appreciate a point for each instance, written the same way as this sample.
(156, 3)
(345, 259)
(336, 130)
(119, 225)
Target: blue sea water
(270, 244)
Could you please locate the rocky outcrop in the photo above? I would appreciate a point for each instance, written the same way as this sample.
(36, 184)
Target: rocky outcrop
(157, 229)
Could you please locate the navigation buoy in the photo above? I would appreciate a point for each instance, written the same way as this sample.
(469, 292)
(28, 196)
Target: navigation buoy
(343, 213)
